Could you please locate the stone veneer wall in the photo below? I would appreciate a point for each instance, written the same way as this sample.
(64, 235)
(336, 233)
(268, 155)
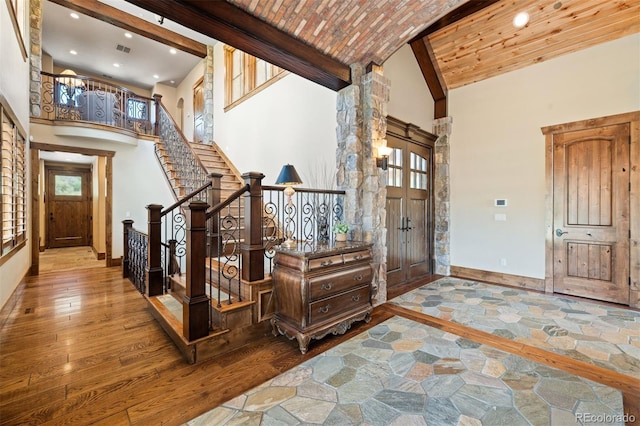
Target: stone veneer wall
(35, 56)
(208, 97)
(361, 117)
(441, 187)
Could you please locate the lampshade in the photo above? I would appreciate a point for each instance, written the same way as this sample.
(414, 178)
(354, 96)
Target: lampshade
(288, 176)
(68, 80)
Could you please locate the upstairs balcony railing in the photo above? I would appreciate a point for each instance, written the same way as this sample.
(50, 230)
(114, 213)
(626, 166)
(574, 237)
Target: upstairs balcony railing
(79, 98)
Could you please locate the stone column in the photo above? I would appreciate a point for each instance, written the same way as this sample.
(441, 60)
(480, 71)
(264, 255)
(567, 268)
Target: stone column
(207, 81)
(362, 126)
(442, 128)
(35, 57)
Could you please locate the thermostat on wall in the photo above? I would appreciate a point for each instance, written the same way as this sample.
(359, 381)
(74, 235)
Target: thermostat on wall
(500, 202)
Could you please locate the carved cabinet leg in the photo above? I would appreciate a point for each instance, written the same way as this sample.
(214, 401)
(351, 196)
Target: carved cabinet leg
(303, 342)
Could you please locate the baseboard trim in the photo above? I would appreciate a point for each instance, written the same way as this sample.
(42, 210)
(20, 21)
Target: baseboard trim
(498, 278)
(10, 304)
(116, 261)
(98, 255)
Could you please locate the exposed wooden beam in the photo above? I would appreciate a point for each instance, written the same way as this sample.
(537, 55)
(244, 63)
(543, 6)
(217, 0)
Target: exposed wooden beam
(427, 60)
(131, 23)
(432, 75)
(235, 27)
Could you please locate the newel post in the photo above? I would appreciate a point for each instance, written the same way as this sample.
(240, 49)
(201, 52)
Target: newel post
(156, 127)
(252, 247)
(213, 198)
(153, 274)
(127, 226)
(195, 303)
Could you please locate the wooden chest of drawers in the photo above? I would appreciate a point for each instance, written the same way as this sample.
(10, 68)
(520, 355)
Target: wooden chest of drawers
(321, 289)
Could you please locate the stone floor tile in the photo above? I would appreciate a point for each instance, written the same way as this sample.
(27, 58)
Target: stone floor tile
(376, 413)
(409, 420)
(563, 394)
(307, 409)
(504, 416)
(315, 390)
(404, 402)
(468, 421)
(441, 411)
(345, 414)
(293, 377)
(269, 397)
(277, 416)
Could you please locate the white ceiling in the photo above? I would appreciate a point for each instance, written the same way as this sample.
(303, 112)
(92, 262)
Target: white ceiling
(95, 42)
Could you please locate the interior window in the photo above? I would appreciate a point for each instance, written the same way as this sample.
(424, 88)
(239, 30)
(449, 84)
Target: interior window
(68, 185)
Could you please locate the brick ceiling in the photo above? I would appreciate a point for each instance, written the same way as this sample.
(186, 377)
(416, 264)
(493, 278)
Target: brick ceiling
(351, 31)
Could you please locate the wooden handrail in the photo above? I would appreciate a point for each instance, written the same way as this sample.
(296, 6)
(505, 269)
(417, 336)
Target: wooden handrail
(215, 209)
(185, 199)
(106, 83)
(306, 190)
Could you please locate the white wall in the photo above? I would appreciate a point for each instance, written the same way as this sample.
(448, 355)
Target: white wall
(138, 179)
(497, 148)
(292, 121)
(406, 82)
(185, 91)
(14, 87)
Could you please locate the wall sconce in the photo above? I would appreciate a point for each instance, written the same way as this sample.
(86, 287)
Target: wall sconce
(289, 177)
(383, 160)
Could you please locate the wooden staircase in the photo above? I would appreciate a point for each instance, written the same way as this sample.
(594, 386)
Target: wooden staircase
(242, 310)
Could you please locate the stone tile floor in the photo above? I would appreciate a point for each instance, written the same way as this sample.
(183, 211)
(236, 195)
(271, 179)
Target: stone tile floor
(401, 372)
(585, 331)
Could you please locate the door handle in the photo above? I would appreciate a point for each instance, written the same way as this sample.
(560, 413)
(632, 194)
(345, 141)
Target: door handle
(408, 227)
(50, 216)
(560, 233)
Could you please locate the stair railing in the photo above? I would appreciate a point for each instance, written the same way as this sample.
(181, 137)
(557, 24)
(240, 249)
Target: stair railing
(79, 98)
(134, 258)
(222, 251)
(308, 219)
(190, 173)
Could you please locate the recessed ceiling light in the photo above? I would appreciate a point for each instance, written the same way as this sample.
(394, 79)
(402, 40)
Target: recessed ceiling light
(128, 35)
(521, 19)
(173, 81)
(117, 65)
(73, 52)
(156, 76)
(173, 51)
(74, 15)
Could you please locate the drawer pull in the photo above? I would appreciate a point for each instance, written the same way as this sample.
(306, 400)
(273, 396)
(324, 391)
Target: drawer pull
(324, 309)
(326, 263)
(357, 257)
(355, 298)
(357, 277)
(326, 286)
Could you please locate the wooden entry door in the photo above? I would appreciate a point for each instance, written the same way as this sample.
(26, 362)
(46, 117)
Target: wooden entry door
(408, 206)
(68, 205)
(591, 213)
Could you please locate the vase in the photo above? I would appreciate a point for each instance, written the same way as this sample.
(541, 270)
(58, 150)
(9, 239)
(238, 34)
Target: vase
(341, 237)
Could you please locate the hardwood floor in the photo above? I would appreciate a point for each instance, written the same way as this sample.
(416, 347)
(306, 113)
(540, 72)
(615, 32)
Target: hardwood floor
(80, 347)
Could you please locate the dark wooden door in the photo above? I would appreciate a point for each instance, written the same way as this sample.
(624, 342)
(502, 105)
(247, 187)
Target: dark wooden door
(68, 205)
(198, 111)
(591, 213)
(408, 211)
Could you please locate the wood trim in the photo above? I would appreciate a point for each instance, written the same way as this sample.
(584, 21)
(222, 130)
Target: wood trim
(235, 27)
(500, 278)
(131, 23)
(73, 149)
(228, 162)
(8, 255)
(108, 206)
(35, 211)
(633, 119)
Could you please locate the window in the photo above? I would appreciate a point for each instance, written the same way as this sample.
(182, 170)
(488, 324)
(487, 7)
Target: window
(13, 205)
(136, 109)
(18, 12)
(418, 172)
(394, 175)
(70, 186)
(245, 74)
